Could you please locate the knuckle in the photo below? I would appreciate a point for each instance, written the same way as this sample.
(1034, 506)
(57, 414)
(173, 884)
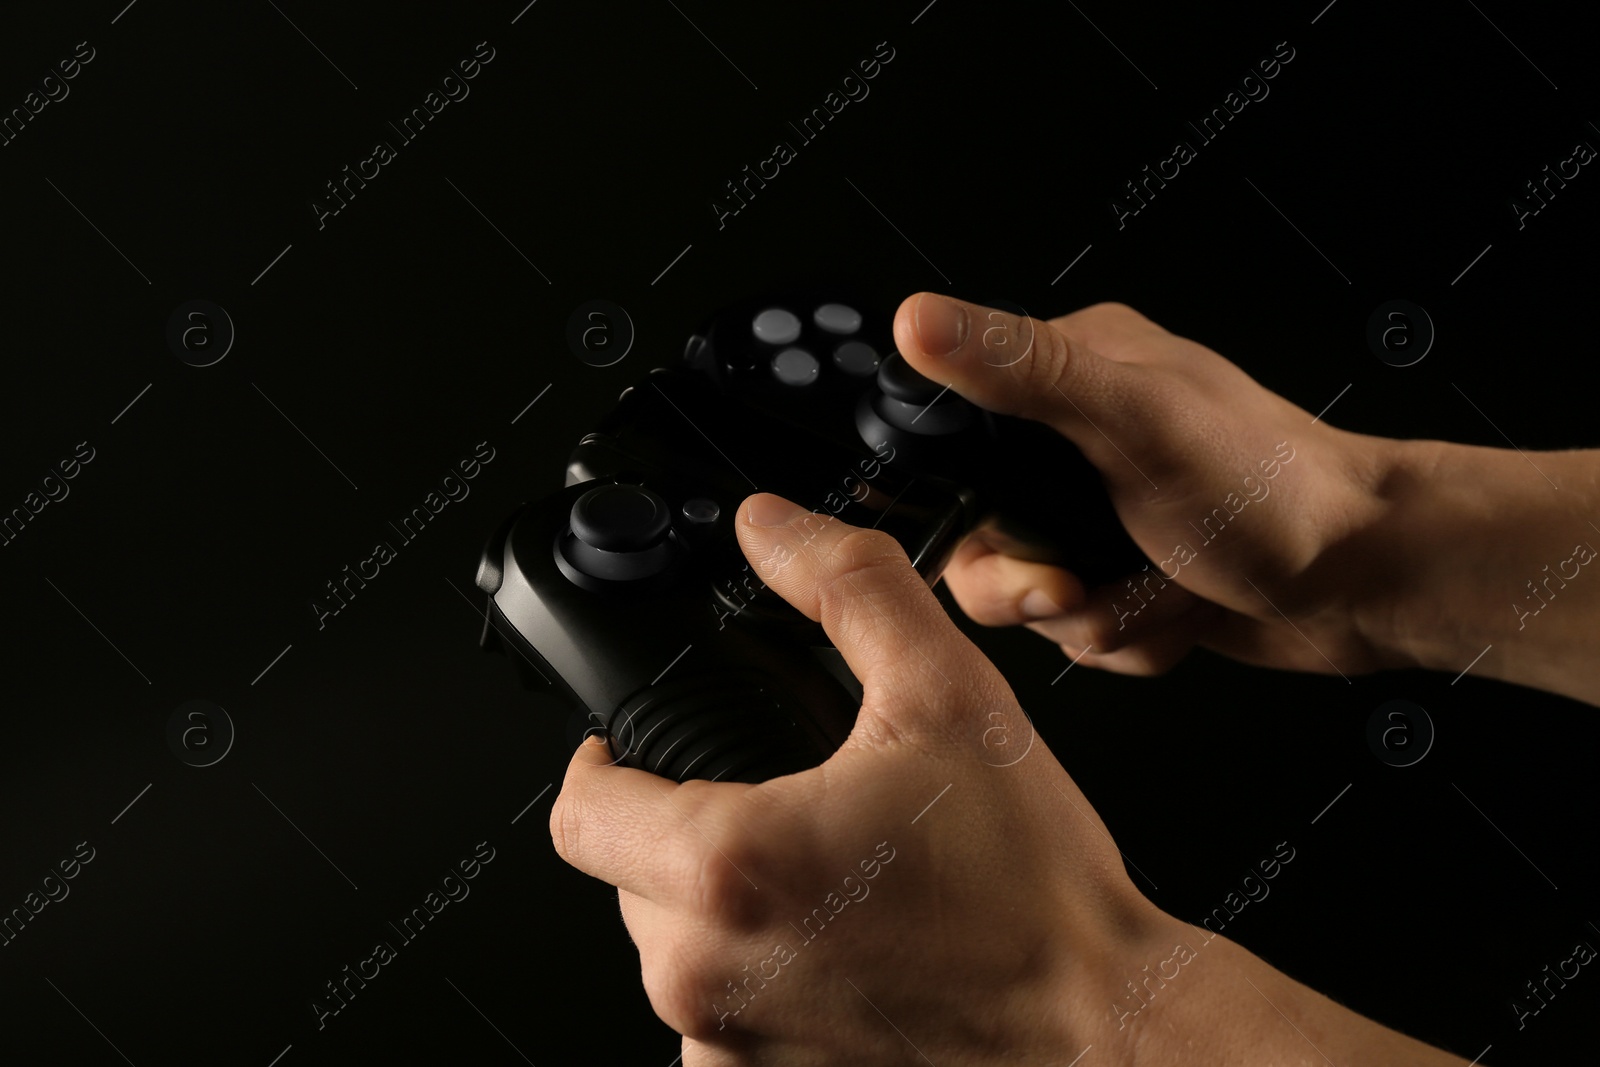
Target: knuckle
(1115, 308)
(1103, 634)
(857, 552)
(565, 823)
(1052, 362)
(717, 861)
(864, 564)
(981, 609)
(1006, 338)
(716, 887)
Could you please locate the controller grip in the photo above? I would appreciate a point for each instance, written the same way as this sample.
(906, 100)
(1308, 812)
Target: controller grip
(723, 727)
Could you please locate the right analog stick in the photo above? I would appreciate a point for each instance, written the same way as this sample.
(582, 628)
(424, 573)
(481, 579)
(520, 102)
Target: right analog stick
(916, 404)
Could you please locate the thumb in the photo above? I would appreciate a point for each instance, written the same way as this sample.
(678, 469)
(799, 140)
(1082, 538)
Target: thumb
(921, 678)
(1016, 365)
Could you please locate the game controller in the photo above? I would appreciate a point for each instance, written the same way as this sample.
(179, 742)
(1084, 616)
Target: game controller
(627, 593)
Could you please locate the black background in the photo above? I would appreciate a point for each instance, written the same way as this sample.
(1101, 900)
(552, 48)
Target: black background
(411, 327)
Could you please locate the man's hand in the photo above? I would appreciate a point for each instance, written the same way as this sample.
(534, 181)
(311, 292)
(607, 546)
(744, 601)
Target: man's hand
(939, 890)
(1278, 540)
(903, 883)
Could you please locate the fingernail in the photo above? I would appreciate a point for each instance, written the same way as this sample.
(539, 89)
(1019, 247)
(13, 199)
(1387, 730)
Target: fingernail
(769, 510)
(941, 324)
(1038, 605)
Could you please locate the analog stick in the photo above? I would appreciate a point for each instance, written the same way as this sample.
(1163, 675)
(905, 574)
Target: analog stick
(618, 533)
(619, 518)
(915, 404)
(902, 381)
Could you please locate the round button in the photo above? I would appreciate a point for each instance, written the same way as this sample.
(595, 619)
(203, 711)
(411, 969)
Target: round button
(857, 358)
(900, 380)
(701, 511)
(776, 326)
(837, 318)
(619, 518)
(795, 366)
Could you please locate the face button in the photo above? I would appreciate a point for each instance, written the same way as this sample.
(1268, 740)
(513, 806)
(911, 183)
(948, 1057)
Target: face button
(837, 318)
(776, 326)
(856, 358)
(795, 366)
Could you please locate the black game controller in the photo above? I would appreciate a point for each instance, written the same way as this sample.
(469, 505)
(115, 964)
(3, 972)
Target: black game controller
(627, 590)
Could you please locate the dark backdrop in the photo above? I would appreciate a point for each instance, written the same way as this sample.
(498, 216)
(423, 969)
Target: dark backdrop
(375, 348)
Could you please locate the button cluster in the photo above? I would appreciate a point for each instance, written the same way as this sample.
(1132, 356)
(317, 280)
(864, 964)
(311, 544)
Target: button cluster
(799, 365)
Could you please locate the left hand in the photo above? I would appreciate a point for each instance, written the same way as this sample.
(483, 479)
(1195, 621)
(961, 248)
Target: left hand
(923, 893)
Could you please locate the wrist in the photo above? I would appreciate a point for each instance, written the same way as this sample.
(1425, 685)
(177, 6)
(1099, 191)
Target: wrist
(1403, 593)
(1467, 548)
(1435, 543)
(1227, 1005)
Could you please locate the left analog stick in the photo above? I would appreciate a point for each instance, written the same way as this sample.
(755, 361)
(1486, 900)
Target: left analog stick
(619, 533)
(620, 518)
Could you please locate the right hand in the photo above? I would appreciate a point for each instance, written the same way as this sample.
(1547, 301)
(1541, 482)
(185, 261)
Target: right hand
(1181, 436)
